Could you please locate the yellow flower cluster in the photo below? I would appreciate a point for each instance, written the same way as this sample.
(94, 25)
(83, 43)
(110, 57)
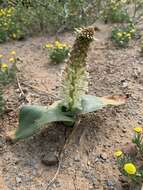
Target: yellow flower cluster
(4, 66)
(6, 12)
(124, 34)
(8, 25)
(5, 17)
(57, 45)
(129, 168)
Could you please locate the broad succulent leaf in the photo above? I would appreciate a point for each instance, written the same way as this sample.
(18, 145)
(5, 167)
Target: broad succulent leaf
(93, 103)
(33, 117)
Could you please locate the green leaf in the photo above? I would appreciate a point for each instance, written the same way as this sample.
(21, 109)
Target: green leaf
(92, 103)
(32, 118)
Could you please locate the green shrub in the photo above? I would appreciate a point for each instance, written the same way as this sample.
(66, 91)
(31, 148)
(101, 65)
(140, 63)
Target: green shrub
(44, 16)
(130, 162)
(115, 12)
(58, 52)
(9, 25)
(7, 70)
(122, 35)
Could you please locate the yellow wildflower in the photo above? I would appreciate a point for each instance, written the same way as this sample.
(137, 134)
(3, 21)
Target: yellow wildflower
(130, 168)
(128, 34)
(1, 55)
(119, 34)
(11, 59)
(13, 52)
(118, 153)
(137, 129)
(14, 35)
(48, 45)
(132, 31)
(58, 45)
(4, 67)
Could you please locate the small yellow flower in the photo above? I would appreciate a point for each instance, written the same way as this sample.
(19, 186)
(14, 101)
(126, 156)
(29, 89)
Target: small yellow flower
(4, 67)
(11, 59)
(130, 168)
(1, 55)
(118, 153)
(132, 31)
(14, 35)
(128, 35)
(58, 45)
(13, 52)
(48, 45)
(137, 129)
(119, 34)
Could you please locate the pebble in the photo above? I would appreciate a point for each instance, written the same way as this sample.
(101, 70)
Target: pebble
(125, 84)
(110, 184)
(103, 156)
(34, 172)
(18, 179)
(49, 159)
(77, 158)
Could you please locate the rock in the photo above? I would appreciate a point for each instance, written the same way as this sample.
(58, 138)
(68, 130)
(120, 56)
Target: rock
(77, 158)
(49, 159)
(103, 156)
(18, 179)
(130, 149)
(34, 172)
(125, 84)
(110, 184)
(124, 130)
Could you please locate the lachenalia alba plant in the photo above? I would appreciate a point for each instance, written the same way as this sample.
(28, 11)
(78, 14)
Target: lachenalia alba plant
(74, 88)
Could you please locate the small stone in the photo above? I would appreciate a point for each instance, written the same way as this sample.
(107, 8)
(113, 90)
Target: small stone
(88, 163)
(125, 84)
(18, 179)
(110, 185)
(130, 149)
(34, 172)
(70, 164)
(77, 158)
(96, 160)
(124, 130)
(103, 156)
(49, 159)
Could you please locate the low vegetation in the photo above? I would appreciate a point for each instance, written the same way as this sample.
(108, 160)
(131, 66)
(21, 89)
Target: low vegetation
(7, 74)
(74, 86)
(130, 164)
(57, 51)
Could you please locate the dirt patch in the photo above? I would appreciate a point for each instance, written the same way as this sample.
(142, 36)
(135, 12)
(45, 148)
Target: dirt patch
(89, 166)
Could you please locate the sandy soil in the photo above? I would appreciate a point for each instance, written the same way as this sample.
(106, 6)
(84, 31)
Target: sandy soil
(89, 166)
